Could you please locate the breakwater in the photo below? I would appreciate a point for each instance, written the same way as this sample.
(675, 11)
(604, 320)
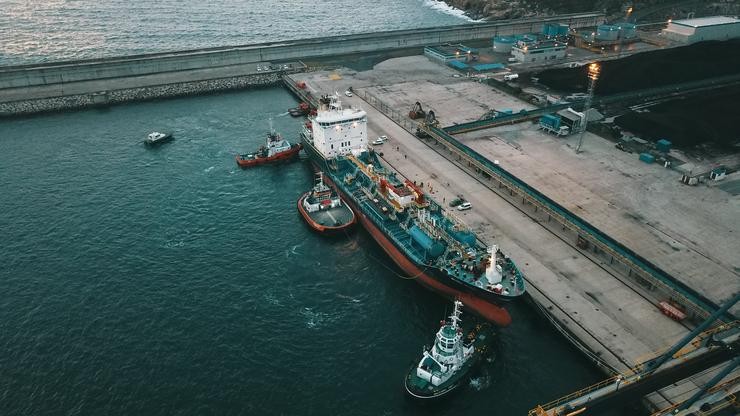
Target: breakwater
(118, 96)
(137, 65)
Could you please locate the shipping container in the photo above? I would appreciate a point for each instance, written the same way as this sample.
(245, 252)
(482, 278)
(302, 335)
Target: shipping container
(647, 157)
(663, 145)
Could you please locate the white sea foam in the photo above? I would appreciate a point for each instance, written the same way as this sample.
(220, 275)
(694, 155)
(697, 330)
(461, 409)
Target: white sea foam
(480, 383)
(293, 251)
(446, 8)
(315, 320)
(206, 170)
(174, 244)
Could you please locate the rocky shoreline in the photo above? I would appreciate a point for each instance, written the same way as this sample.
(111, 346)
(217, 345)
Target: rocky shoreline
(649, 9)
(106, 98)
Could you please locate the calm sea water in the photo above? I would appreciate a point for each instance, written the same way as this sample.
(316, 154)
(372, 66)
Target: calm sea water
(44, 30)
(167, 281)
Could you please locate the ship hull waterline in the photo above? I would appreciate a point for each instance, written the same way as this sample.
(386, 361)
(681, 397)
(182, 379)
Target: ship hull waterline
(283, 156)
(487, 310)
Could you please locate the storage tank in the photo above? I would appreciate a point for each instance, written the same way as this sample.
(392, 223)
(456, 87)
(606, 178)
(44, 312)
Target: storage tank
(563, 29)
(607, 32)
(503, 44)
(432, 247)
(627, 30)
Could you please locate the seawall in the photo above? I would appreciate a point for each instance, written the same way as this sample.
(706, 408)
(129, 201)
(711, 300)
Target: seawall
(29, 89)
(144, 93)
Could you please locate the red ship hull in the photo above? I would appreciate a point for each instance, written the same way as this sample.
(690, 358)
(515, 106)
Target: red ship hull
(282, 156)
(486, 310)
(324, 229)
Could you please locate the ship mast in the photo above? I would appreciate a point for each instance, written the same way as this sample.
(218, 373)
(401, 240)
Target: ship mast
(455, 317)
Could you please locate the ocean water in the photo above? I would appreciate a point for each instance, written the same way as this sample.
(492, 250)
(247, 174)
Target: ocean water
(167, 281)
(48, 30)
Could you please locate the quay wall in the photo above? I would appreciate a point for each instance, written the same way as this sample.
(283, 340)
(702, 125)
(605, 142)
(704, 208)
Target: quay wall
(104, 98)
(94, 69)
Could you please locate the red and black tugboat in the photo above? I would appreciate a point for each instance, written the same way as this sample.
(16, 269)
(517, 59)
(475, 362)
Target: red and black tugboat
(324, 210)
(276, 149)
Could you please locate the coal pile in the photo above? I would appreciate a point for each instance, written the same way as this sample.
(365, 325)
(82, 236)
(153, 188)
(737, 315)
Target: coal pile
(652, 69)
(700, 119)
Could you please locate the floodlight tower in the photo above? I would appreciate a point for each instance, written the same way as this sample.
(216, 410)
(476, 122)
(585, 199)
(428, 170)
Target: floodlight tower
(593, 75)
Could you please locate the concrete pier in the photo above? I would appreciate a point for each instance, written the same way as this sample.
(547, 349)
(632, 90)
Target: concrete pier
(611, 315)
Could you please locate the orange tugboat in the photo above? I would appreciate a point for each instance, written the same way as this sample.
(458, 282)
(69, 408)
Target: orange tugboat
(324, 210)
(276, 149)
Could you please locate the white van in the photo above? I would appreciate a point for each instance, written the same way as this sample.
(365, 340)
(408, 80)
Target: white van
(464, 206)
(510, 77)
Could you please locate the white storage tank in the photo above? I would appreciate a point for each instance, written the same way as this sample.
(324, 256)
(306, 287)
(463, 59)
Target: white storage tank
(503, 44)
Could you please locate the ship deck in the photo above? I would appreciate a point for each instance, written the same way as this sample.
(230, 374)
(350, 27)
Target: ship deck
(332, 217)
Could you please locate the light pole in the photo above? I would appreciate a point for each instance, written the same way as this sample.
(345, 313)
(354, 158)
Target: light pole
(593, 75)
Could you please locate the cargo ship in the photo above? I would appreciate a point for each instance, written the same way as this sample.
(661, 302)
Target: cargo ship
(323, 209)
(456, 351)
(276, 149)
(429, 244)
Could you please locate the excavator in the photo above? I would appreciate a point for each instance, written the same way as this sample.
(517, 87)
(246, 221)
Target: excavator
(417, 112)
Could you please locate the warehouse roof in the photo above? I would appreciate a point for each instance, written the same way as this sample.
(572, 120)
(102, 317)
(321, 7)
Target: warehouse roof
(707, 21)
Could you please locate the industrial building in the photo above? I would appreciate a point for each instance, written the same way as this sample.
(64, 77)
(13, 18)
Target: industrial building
(447, 53)
(538, 52)
(703, 28)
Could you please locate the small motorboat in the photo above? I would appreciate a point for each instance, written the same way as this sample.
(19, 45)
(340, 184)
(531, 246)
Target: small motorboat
(156, 137)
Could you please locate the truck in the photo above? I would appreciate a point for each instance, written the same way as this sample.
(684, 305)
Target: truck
(510, 77)
(551, 124)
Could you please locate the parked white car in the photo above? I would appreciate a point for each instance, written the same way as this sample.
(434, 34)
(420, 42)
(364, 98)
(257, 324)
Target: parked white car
(348, 93)
(464, 206)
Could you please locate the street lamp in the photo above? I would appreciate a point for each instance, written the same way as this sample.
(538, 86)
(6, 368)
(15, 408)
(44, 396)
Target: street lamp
(593, 74)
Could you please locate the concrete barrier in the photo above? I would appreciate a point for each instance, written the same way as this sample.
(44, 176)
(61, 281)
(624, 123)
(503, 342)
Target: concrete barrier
(83, 70)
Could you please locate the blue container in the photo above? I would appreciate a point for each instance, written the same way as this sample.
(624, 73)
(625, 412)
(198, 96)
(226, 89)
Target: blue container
(563, 29)
(647, 157)
(550, 120)
(458, 65)
(607, 32)
(663, 145)
(488, 67)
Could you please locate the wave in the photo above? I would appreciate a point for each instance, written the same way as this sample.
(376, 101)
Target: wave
(443, 7)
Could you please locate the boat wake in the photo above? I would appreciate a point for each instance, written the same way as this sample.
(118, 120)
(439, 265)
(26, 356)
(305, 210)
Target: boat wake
(272, 300)
(480, 383)
(206, 170)
(315, 320)
(349, 298)
(174, 244)
(293, 251)
(283, 114)
(443, 7)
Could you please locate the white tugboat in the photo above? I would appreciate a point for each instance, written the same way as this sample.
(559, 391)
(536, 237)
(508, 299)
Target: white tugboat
(448, 363)
(156, 137)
